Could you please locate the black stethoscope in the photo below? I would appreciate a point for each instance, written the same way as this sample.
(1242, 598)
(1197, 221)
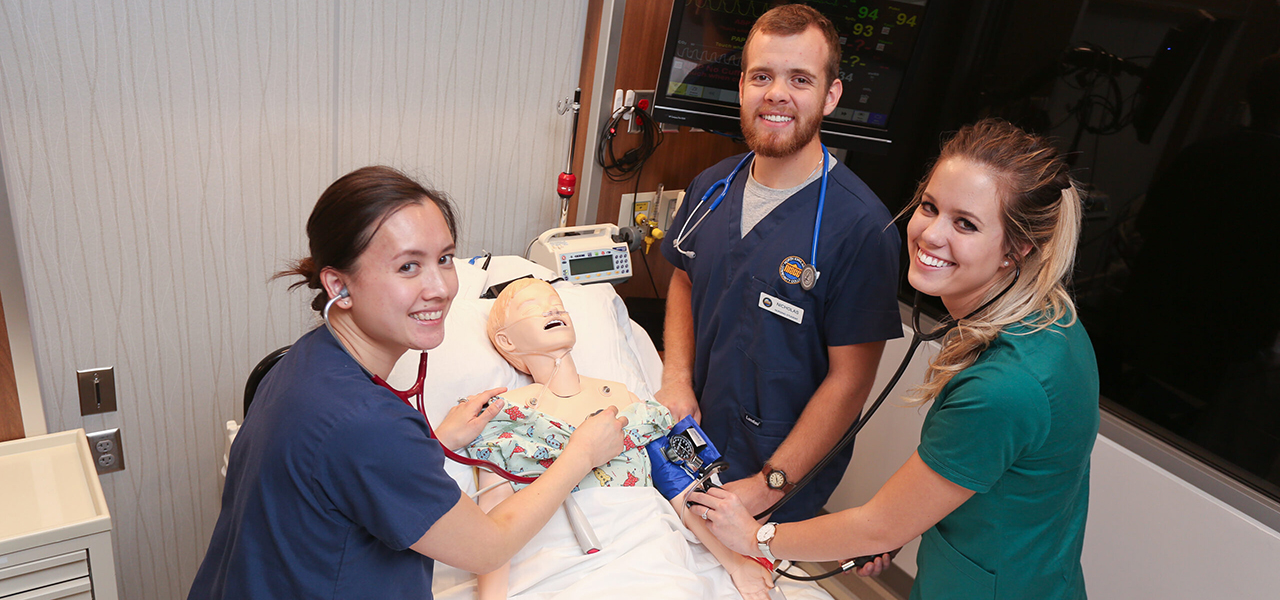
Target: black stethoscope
(948, 323)
(809, 275)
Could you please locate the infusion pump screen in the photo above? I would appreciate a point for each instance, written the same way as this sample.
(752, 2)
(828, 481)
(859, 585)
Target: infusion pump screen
(593, 264)
(877, 38)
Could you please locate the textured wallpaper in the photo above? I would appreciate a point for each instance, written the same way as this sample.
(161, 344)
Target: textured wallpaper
(162, 157)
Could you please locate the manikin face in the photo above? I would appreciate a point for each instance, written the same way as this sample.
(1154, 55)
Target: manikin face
(956, 236)
(782, 92)
(536, 323)
(404, 281)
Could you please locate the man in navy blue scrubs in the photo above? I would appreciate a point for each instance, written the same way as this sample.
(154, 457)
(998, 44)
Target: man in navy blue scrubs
(775, 372)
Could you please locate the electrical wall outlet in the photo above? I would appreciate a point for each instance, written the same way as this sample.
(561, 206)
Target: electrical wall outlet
(644, 101)
(108, 454)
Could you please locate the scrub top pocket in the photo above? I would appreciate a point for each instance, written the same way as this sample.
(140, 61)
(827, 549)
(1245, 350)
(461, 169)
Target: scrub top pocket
(776, 344)
(949, 574)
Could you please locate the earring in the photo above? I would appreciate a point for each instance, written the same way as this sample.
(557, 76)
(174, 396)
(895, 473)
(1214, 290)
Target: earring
(346, 302)
(1005, 264)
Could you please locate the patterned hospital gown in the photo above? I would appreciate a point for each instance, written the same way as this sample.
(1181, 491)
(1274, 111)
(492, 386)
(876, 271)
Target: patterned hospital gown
(525, 441)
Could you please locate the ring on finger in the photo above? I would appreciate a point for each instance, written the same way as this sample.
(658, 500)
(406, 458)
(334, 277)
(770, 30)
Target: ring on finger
(705, 513)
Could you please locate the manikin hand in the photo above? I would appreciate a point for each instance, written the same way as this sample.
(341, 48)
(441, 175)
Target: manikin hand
(599, 438)
(680, 400)
(754, 493)
(752, 579)
(466, 420)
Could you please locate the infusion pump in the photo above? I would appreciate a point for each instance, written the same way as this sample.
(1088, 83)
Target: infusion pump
(585, 253)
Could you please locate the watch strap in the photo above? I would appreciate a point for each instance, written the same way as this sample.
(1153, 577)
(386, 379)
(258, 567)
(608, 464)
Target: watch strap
(764, 544)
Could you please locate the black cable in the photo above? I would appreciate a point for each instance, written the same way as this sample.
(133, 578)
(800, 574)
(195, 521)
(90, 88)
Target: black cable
(622, 168)
(735, 137)
(811, 577)
(644, 257)
(939, 332)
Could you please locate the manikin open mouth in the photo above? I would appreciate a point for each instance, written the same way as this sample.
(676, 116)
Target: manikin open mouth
(553, 323)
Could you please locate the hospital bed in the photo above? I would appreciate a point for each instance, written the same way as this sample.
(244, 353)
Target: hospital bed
(646, 551)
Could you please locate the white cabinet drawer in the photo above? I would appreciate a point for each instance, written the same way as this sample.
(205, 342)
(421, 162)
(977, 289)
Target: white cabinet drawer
(76, 589)
(36, 574)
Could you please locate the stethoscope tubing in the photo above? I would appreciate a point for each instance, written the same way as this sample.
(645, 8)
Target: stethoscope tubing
(917, 336)
(723, 186)
(416, 390)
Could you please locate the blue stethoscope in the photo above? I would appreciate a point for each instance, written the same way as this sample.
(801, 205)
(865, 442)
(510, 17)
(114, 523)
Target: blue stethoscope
(809, 275)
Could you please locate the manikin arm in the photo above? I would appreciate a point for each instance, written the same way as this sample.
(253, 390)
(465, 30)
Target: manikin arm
(493, 585)
(497, 536)
(750, 577)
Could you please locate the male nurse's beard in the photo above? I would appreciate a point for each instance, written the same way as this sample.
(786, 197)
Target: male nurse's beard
(778, 144)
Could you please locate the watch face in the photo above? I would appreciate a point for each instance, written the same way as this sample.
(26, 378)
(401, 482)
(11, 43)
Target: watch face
(777, 479)
(680, 449)
(765, 533)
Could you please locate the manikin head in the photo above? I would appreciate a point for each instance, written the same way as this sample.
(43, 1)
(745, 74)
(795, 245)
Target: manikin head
(528, 319)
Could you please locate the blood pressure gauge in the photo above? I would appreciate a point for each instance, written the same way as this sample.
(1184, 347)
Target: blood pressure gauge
(683, 448)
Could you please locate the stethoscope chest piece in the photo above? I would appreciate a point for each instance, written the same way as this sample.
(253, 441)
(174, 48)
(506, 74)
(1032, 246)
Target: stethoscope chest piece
(808, 277)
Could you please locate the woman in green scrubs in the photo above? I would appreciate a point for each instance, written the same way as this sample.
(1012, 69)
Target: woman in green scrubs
(999, 485)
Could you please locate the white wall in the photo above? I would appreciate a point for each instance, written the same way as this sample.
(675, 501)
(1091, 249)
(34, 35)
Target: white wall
(1149, 534)
(1153, 535)
(161, 158)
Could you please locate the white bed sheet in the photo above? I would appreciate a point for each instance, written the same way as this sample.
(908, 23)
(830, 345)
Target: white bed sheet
(646, 553)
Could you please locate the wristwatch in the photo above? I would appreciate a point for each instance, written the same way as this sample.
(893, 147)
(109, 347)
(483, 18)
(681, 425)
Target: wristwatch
(764, 535)
(776, 479)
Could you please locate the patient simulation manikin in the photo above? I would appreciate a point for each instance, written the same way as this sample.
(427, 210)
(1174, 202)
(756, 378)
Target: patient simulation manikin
(530, 328)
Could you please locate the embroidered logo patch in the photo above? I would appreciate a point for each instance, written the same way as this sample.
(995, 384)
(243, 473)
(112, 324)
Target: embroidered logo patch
(790, 269)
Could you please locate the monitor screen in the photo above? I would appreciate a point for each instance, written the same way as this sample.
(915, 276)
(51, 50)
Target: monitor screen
(702, 63)
(594, 264)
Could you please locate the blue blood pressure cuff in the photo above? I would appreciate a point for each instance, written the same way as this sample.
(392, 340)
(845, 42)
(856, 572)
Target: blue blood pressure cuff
(681, 457)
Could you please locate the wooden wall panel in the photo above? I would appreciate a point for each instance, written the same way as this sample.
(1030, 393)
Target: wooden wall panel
(10, 411)
(682, 155)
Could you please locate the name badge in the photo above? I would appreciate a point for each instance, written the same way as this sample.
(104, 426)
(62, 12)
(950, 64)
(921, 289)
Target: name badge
(782, 308)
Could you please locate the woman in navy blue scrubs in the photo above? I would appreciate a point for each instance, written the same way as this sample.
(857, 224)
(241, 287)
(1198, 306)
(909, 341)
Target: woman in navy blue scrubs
(335, 487)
